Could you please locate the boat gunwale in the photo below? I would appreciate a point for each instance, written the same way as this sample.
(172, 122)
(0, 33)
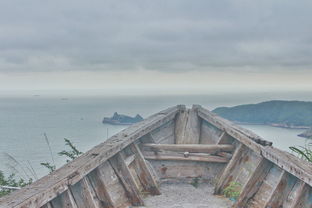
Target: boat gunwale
(47, 188)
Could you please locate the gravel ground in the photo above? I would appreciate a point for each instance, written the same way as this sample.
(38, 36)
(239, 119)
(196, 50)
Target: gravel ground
(186, 196)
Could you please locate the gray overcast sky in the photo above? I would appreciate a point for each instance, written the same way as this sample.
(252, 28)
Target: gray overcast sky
(156, 45)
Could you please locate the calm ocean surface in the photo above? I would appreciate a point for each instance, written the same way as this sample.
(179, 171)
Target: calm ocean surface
(24, 120)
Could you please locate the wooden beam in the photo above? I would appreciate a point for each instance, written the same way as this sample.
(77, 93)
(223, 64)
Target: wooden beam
(124, 174)
(290, 163)
(100, 189)
(45, 189)
(187, 127)
(146, 177)
(71, 199)
(280, 185)
(297, 167)
(223, 180)
(210, 158)
(200, 148)
(228, 127)
(298, 200)
(253, 183)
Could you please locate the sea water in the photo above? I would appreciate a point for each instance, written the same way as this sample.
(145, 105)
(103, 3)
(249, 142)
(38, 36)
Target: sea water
(25, 119)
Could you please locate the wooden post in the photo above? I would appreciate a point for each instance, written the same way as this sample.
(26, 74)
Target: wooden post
(253, 183)
(281, 183)
(223, 180)
(71, 198)
(298, 200)
(122, 171)
(146, 177)
(187, 127)
(100, 188)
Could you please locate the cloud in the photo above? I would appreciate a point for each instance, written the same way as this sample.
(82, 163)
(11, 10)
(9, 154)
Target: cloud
(176, 35)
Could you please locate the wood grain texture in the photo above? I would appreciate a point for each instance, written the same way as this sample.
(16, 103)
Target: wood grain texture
(199, 148)
(146, 177)
(253, 183)
(124, 174)
(224, 178)
(187, 127)
(48, 187)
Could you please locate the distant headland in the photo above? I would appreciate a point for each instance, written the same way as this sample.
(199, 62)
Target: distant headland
(120, 119)
(307, 133)
(287, 114)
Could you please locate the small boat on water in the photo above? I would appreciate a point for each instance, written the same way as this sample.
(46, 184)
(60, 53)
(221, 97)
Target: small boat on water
(142, 165)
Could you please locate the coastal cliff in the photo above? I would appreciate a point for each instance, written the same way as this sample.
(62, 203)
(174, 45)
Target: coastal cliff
(287, 114)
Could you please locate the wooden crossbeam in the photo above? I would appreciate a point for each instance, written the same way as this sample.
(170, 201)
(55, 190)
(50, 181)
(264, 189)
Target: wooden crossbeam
(299, 195)
(253, 183)
(146, 177)
(280, 185)
(199, 148)
(124, 174)
(209, 158)
(223, 180)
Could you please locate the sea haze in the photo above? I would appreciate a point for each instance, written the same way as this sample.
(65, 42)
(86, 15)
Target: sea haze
(25, 119)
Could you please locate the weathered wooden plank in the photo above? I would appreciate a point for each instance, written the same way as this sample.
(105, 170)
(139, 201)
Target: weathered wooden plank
(124, 174)
(236, 158)
(281, 190)
(83, 195)
(71, 199)
(47, 205)
(201, 148)
(108, 187)
(290, 163)
(187, 127)
(228, 127)
(208, 158)
(298, 195)
(267, 187)
(209, 134)
(146, 177)
(99, 189)
(253, 183)
(164, 134)
(299, 168)
(184, 171)
(129, 160)
(47, 188)
(63, 201)
(225, 139)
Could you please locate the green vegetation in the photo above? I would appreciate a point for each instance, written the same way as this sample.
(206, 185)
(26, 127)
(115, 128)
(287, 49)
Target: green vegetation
(11, 181)
(71, 154)
(304, 152)
(233, 190)
(283, 113)
(195, 182)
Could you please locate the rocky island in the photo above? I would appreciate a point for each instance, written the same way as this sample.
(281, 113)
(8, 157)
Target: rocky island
(307, 133)
(120, 119)
(287, 114)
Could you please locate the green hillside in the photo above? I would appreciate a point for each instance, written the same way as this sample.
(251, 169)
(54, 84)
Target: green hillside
(283, 113)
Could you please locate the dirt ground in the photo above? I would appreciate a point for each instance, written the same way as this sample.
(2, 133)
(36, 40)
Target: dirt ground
(187, 196)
